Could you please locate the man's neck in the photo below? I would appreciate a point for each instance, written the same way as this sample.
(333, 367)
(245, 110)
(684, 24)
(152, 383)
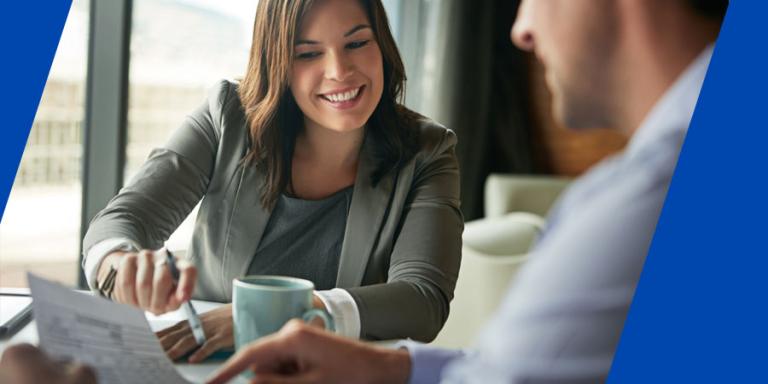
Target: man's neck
(660, 46)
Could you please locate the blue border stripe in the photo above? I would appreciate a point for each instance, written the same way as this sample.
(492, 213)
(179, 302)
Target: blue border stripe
(699, 314)
(29, 35)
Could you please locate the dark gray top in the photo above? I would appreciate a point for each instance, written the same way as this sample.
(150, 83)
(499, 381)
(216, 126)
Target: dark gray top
(303, 239)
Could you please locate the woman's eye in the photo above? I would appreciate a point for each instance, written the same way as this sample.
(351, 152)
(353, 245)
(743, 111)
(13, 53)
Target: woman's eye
(358, 44)
(307, 55)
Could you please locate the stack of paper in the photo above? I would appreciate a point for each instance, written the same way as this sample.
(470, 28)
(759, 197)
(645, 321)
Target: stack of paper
(114, 339)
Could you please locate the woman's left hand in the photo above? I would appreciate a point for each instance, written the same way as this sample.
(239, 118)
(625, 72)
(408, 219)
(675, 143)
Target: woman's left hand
(218, 327)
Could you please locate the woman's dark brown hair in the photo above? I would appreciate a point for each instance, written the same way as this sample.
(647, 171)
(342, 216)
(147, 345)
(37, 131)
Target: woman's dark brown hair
(275, 119)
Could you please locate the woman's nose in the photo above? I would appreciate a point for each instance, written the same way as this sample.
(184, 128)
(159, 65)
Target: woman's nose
(338, 67)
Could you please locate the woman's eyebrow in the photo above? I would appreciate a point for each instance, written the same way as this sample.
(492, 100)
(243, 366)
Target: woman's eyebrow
(351, 32)
(306, 42)
(357, 28)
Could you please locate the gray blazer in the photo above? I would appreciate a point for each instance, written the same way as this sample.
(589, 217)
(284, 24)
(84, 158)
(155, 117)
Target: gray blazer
(402, 244)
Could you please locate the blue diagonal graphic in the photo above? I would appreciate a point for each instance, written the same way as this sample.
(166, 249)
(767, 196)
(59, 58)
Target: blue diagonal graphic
(699, 314)
(29, 35)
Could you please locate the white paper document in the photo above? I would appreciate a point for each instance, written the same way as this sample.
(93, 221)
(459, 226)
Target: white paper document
(114, 339)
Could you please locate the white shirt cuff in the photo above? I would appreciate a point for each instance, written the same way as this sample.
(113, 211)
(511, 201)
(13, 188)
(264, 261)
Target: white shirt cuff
(343, 310)
(99, 251)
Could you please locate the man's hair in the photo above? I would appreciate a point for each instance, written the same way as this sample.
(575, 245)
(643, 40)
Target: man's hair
(710, 8)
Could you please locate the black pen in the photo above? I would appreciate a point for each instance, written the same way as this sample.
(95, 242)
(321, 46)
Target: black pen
(17, 322)
(192, 318)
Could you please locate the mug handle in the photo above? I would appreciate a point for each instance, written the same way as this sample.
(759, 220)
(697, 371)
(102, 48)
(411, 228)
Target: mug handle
(316, 312)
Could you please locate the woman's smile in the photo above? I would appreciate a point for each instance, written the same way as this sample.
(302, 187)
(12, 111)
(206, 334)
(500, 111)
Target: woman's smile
(343, 98)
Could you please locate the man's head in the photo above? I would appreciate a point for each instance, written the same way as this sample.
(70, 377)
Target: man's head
(601, 55)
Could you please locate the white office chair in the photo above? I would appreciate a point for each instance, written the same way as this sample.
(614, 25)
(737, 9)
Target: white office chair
(495, 248)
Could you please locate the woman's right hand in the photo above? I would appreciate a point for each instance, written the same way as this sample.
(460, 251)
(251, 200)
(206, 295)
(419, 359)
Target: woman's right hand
(144, 280)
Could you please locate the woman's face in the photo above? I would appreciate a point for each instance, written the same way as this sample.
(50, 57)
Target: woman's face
(337, 77)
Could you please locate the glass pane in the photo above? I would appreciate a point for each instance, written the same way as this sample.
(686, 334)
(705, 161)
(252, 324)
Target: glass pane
(40, 231)
(173, 64)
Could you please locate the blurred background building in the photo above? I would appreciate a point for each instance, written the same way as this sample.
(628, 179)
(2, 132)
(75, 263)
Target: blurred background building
(178, 49)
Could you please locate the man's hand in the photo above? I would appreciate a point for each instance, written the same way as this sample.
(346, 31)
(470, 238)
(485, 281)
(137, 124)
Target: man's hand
(26, 364)
(144, 280)
(300, 353)
(178, 340)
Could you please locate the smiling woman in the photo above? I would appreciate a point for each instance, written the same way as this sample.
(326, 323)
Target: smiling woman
(337, 49)
(324, 82)
(309, 167)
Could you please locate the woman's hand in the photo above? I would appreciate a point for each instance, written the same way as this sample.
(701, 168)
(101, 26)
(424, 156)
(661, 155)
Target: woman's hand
(144, 280)
(218, 327)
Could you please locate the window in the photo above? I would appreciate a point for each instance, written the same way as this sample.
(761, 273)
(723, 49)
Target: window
(173, 64)
(179, 49)
(40, 231)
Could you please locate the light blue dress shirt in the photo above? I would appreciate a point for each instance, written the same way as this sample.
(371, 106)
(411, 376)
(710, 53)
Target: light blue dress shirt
(563, 316)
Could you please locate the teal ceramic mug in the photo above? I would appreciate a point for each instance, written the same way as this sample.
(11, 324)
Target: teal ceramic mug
(262, 304)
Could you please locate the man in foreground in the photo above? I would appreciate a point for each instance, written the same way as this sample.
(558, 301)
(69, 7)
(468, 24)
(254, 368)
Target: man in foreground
(634, 65)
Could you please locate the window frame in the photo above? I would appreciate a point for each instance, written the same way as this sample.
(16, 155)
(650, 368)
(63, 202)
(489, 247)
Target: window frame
(106, 109)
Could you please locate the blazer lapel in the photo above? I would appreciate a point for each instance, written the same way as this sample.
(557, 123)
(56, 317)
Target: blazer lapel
(366, 215)
(247, 224)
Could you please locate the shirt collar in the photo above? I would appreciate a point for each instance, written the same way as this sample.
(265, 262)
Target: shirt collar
(674, 110)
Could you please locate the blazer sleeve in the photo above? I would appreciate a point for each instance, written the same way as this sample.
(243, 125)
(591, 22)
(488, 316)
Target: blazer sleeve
(168, 185)
(425, 259)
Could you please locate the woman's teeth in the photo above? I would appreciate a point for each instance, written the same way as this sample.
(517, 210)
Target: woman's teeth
(344, 96)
